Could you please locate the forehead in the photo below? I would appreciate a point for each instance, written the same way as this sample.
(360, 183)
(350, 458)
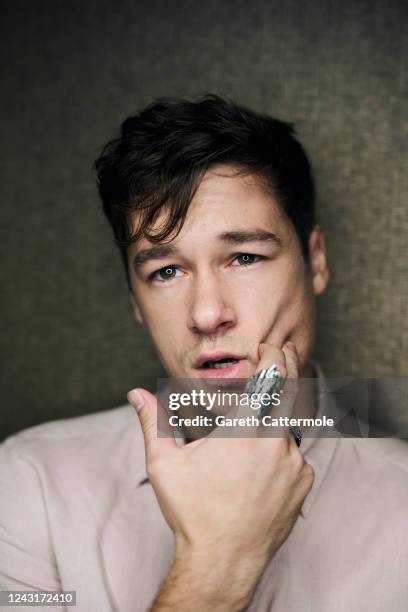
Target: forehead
(223, 201)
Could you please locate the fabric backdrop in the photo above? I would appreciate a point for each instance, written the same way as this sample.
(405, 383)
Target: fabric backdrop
(73, 70)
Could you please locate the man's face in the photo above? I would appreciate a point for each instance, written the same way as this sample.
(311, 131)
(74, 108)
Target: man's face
(236, 277)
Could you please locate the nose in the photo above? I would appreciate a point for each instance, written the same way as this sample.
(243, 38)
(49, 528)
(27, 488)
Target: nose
(210, 309)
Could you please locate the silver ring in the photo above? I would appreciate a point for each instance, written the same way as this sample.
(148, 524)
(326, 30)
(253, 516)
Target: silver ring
(268, 380)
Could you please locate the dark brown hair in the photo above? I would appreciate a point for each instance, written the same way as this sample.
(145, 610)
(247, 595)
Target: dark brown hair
(162, 153)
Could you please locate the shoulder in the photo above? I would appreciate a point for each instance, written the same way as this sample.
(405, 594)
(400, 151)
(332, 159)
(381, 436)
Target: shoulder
(72, 429)
(77, 445)
(52, 477)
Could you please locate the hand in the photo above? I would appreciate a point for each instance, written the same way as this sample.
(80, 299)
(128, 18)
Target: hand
(231, 503)
(271, 355)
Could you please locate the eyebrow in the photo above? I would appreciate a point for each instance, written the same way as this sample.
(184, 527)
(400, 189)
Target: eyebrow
(233, 237)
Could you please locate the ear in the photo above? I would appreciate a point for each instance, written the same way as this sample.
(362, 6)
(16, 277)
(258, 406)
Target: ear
(318, 261)
(136, 310)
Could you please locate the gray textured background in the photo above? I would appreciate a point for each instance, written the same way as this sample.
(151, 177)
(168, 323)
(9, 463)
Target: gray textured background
(72, 71)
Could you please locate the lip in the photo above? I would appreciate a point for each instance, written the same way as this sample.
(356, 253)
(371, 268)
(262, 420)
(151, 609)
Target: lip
(215, 356)
(236, 370)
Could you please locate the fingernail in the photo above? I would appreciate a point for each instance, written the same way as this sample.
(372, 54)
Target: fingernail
(136, 399)
(291, 346)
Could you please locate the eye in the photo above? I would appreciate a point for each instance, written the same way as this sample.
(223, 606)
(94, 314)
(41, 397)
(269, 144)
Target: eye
(164, 274)
(247, 259)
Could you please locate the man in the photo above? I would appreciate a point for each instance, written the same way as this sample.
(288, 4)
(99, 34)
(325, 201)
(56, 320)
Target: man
(212, 206)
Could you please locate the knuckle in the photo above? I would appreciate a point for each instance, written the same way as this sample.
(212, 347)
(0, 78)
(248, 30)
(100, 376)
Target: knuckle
(154, 465)
(297, 460)
(308, 474)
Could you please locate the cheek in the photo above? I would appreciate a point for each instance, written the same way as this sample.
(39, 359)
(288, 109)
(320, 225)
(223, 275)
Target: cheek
(298, 322)
(283, 309)
(163, 328)
(162, 321)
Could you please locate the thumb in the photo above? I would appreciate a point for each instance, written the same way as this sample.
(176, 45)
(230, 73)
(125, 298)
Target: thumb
(148, 409)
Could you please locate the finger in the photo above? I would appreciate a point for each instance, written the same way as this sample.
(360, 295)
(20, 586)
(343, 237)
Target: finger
(292, 360)
(147, 409)
(287, 394)
(271, 355)
(291, 387)
(270, 358)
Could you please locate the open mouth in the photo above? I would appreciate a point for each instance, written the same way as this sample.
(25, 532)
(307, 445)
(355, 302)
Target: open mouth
(220, 363)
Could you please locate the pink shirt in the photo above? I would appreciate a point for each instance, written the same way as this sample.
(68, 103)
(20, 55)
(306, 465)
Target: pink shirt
(77, 514)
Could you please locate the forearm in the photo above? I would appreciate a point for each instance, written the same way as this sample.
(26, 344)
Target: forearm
(201, 583)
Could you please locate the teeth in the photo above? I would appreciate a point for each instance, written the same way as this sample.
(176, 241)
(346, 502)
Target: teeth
(224, 363)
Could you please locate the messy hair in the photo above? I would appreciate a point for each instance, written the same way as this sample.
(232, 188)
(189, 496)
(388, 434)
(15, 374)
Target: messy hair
(163, 152)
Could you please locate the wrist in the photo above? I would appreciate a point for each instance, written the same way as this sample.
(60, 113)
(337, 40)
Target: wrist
(209, 568)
